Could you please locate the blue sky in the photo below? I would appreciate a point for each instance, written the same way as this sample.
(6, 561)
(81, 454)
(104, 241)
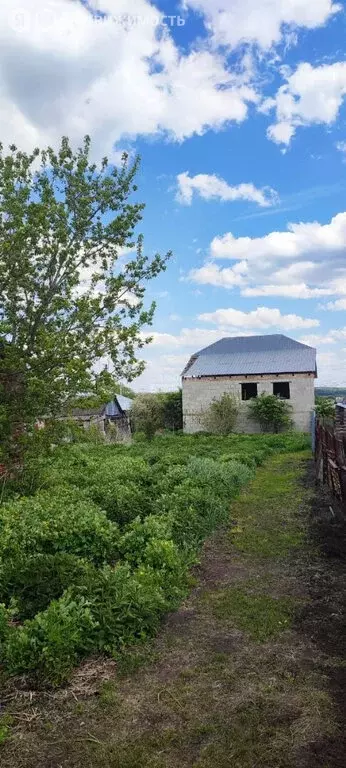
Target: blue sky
(239, 117)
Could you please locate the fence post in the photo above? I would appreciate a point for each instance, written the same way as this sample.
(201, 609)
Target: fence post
(313, 432)
(330, 459)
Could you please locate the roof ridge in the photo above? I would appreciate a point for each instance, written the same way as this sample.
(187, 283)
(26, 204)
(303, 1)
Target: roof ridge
(260, 353)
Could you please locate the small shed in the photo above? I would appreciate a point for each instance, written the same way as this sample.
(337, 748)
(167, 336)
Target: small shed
(117, 413)
(112, 419)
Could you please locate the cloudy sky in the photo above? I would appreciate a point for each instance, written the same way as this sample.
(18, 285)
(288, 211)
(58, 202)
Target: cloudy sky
(237, 108)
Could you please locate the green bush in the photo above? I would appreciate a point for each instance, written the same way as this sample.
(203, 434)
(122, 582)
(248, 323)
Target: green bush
(138, 535)
(4, 628)
(122, 488)
(113, 608)
(29, 585)
(59, 521)
(78, 582)
(120, 485)
(325, 409)
(272, 413)
(221, 417)
(49, 645)
(221, 479)
(147, 414)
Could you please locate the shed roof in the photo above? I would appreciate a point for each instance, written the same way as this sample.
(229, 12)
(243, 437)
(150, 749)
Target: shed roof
(246, 355)
(118, 406)
(125, 402)
(85, 414)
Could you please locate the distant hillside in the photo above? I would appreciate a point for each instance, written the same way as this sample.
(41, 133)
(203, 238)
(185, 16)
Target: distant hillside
(330, 391)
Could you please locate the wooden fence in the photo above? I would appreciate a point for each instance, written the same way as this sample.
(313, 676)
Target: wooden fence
(330, 456)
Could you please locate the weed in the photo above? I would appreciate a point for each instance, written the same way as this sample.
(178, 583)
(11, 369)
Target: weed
(261, 616)
(93, 561)
(5, 728)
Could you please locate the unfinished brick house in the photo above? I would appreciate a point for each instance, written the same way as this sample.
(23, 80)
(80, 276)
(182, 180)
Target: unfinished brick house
(246, 367)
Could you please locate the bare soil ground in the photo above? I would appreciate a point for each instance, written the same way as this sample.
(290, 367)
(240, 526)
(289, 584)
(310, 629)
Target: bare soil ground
(249, 673)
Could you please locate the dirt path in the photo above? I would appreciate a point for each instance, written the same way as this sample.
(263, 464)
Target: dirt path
(249, 673)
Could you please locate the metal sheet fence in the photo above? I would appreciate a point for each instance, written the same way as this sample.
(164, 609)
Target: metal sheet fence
(330, 456)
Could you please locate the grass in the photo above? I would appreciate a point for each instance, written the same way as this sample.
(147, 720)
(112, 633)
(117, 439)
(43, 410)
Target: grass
(261, 616)
(5, 728)
(267, 517)
(225, 684)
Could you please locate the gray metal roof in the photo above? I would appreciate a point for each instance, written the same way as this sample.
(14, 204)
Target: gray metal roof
(125, 402)
(246, 355)
(117, 406)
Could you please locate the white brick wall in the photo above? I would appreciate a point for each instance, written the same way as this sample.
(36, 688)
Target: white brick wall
(198, 395)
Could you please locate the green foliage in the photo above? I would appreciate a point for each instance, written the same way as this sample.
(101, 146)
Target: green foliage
(153, 412)
(5, 616)
(29, 585)
(147, 414)
(261, 616)
(50, 644)
(5, 728)
(106, 387)
(325, 409)
(61, 520)
(330, 392)
(139, 437)
(65, 299)
(92, 565)
(139, 534)
(172, 410)
(223, 480)
(221, 417)
(122, 486)
(272, 413)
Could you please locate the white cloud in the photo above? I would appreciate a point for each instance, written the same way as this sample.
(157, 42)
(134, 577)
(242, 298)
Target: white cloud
(168, 354)
(62, 71)
(161, 374)
(331, 363)
(261, 21)
(315, 339)
(310, 95)
(122, 76)
(211, 187)
(188, 338)
(332, 336)
(212, 274)
(281, 132)
(305, 261)
(260, 319)
(331, 367)
(297, 241)
(341, 147)
(291, 291)
(337, 305)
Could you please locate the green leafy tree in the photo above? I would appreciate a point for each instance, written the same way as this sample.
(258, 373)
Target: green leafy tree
(69, 294)
(222, 415)
(325, 409)
(272, 413)
(147, 414)
(173, 410)
(105, 390)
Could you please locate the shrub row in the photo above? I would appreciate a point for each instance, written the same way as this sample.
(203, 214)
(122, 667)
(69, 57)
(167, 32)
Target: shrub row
(92, 565)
